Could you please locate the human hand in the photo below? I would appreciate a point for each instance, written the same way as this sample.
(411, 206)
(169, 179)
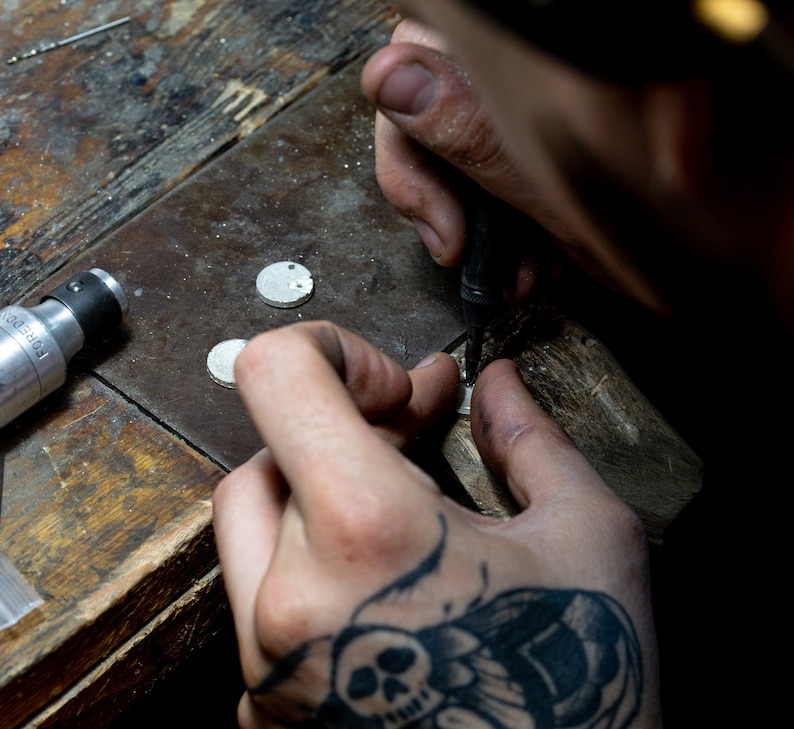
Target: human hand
(364, 597)
(531, 133)
(434, 128)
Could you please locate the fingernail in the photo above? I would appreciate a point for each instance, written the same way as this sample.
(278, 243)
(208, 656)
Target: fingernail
(430, 238)
(426, 362)
(409, 89)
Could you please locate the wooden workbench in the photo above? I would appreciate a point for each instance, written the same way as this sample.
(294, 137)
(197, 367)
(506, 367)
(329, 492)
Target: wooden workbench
(182, 152)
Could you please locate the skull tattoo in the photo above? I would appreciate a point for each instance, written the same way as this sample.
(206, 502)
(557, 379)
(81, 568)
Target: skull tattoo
(385, 673)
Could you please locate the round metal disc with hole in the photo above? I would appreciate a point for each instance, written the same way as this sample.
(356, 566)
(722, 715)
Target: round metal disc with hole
(285, 284)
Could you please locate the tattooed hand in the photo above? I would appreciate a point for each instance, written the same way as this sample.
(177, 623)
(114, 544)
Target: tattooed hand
(363, 597)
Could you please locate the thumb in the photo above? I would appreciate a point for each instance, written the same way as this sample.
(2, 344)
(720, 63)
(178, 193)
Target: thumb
(426, 94)
(525, 448)
(430, 119)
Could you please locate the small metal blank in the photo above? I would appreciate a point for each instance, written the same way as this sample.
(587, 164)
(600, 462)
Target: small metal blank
(220, 361)
(285, 284)
(464, 399)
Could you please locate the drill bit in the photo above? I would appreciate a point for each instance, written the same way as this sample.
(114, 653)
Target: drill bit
(66, 41)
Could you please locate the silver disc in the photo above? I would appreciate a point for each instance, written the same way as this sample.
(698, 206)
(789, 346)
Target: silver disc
(464, 399)
(220, 361)
(285, 284)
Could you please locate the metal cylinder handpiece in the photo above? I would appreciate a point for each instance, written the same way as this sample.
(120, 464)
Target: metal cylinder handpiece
(37, 342)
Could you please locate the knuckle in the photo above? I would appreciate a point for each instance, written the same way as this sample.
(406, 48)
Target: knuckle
(414, 32)
(533, 433)
(232, 484)
(343, 543)
(282, 614)
(369, 528)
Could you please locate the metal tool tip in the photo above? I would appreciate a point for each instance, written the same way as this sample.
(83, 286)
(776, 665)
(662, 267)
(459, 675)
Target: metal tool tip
(471, 371)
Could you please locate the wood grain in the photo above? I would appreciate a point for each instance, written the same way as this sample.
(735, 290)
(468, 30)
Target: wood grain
(92, 133)
(108, 516)
(126, 674)
(583, 387)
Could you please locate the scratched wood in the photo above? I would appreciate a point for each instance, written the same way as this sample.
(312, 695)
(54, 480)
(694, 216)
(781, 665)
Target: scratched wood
(126, 674)
(105, 512)
(92, 133)
(580, 384)
(108, 517)
(300, 188)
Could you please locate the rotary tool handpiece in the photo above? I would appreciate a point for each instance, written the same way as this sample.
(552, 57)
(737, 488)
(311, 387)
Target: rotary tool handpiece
(37, 342)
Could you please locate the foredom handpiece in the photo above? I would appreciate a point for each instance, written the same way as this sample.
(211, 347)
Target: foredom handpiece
(37, 342)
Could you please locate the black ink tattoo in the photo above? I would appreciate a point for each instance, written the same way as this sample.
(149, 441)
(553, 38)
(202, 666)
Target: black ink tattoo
(527, 659)
(426, 567)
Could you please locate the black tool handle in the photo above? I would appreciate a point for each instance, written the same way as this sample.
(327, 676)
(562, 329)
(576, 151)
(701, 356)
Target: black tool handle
(481, 277)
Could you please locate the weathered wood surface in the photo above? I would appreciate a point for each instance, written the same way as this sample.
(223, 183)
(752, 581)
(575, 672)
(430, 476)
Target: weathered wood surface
(578, 381)
(125, 675)
(302, 188)
(169, 151)
(105, 512)
(92, 133)
(108, 517)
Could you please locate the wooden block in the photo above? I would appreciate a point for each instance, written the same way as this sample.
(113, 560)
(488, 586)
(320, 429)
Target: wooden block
(108, 517)
(126, 674)
(579, 383)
